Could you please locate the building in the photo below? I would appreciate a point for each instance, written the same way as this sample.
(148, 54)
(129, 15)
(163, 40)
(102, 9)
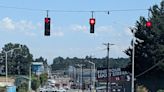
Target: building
(37, 68)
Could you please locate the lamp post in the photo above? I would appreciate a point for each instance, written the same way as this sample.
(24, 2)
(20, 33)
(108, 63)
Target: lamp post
(6, 52)
(133, 54)
(29, 85)
(93, 72)
(81, 66)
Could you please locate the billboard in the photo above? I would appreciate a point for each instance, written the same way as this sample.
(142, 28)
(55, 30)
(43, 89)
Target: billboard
(114, 74)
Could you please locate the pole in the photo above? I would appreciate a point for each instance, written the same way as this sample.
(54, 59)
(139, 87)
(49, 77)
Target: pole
(94, 71)
(90, 79)
(79, 80)
(133, 62)
(82, 78)
(29, 78)
(107, 78)
(6, 52)
(107, 67)
(6, 68)
(94, 79)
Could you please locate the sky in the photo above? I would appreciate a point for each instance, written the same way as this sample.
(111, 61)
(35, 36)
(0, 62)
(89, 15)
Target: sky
(70, 34)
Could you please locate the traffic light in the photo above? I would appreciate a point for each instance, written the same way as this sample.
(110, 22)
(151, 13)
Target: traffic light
(47, 26)
(149, 24)
(92, 24)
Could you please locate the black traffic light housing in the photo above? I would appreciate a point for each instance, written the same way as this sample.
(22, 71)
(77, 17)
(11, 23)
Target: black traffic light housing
(92, 24)
(47, 26)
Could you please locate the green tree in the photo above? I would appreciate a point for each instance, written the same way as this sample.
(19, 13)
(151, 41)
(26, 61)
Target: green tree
(35, 84)
(61, 63)
(41, 59)
(149, 43)
(43, 78)
(160, 90)
(149, 50)
(19, 60)
(23, 87)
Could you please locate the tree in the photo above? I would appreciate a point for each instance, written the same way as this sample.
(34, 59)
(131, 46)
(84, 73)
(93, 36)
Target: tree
(23, 87)
(149, 43)
(35, 84)
(60, 63)
(149, 50)
(41, 59)
(19, 60)
(43, 78)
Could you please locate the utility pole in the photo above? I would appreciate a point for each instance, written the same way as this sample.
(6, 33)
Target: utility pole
(107, 78)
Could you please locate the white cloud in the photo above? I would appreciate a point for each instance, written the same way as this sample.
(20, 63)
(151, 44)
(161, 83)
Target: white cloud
(23, 26)
(57, 33)
(30, 34)
(104, 29)
(77, 27)
(7, 24)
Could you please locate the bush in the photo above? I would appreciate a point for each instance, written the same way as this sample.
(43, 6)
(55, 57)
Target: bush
(23, 87)
(35, 84)
(43, 78)
(141, 89)
(2, 89)
(160, 90)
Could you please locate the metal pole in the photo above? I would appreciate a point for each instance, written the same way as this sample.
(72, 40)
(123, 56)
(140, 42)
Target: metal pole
(82, 77)
(29, 78)
(133, 63)
(90, 79)
(6, 68)
(107, 67)
(6, 52)
(79, 80)
(94, 76)
(94, 71)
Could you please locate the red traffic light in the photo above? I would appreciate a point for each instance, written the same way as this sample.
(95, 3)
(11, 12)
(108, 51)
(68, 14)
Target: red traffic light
(47, 20)
(148, 24)
(92, 24)
(92, 21)
(47, 26)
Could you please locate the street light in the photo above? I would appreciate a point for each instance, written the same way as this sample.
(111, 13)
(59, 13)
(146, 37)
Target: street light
(6, 52)
(133, 52)
(94, 72)
(81, 66)
(29, 85)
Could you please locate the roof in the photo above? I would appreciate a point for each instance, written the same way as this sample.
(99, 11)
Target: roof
(37, 63)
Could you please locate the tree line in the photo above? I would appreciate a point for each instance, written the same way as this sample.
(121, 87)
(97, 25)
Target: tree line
(60, 63)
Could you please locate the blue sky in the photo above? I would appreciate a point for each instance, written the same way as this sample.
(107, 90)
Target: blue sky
(70, 35)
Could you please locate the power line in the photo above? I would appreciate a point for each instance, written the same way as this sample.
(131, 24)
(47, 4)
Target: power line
(149, 69)
(19, 8)
(73, 11)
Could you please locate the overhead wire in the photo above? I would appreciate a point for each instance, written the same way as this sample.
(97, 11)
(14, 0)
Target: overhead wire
(69, 11)
(149, 69)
